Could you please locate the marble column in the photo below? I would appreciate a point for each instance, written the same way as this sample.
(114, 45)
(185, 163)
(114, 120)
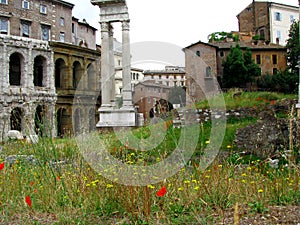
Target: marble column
(126, 67)
(105, 67)
(111, 65)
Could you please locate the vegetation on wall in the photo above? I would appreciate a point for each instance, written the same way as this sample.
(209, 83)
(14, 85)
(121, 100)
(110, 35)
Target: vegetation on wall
(221, 36)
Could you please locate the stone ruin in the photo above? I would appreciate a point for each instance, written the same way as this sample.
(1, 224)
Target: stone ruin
(112, 11)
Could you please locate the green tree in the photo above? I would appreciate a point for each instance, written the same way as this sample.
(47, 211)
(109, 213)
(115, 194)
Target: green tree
(253, 69)
(238, 68)
(293, 48)
(234, 68)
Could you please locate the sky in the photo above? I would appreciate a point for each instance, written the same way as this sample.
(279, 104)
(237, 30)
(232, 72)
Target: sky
(177, 22)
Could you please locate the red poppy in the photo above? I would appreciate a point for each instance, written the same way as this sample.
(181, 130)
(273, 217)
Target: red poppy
(161, 192)
(28, 201)
(31, 183)
(1, 166)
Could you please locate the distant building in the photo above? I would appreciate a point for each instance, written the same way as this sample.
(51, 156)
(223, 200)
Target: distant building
(171, 76)
(44, 54)
(146, 94)
(269, 20)
(204, 62)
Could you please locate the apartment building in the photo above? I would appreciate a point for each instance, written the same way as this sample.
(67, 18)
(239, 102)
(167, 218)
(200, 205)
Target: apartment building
(269, 20)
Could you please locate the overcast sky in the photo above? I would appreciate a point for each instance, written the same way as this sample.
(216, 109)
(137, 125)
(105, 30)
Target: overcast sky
(180, 22)
(175, 24)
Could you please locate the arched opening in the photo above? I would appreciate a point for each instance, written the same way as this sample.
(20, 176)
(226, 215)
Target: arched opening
(16, 119)
(76, 120)
(39, 120)
(91, 76)
(60, 67)
(61, 119)
(76, 74)
(15, 70)
(39, 71)
(92, 121)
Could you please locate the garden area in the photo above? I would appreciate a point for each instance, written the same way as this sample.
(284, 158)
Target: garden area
(50, 182)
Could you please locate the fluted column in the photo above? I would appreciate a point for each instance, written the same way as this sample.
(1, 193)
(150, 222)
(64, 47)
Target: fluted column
(127, 92)
(105, 66)
(111, 65)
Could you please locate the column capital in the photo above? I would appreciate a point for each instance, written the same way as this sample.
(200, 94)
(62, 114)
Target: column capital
(125, 25)
(105, 26)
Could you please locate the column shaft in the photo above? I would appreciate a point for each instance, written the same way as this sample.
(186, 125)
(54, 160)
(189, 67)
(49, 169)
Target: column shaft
(126, 65)
(111, 65)
(105, 68)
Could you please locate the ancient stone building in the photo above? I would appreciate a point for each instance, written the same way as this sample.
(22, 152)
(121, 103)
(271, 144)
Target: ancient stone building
(76, 71)
(269, 20)
(43, 56)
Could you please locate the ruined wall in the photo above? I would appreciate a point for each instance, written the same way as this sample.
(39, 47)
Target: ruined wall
(26, 96)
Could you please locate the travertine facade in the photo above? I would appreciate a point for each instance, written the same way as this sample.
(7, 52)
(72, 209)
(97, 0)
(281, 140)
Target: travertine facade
(43, 56)
(27, 86)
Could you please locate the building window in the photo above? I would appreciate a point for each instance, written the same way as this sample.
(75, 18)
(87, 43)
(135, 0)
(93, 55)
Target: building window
(208, 71)
(43, 9)
(274, 59)
(258, 60)
(277, 16)
(292, 19)
(222, 53)
(25, 29)
(275, 71)
(4, 2)
(278, 33)
(198, 53)
(45, 32)
(25, 4)
(3, 25)
(262, 33)
(73, 28)
(62, 22)
(62, 36)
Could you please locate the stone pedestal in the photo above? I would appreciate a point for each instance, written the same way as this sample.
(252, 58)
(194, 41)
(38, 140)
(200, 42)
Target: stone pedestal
(117, 118)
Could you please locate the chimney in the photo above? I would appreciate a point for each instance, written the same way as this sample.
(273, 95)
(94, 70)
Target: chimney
(277, 41)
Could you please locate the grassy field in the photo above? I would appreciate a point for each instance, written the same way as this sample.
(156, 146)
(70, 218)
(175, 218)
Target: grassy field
(230, 189)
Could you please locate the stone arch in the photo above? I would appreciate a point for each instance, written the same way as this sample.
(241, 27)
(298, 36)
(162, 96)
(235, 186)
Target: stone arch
(16, 119)
(39, 120)
(39, 71)
(91, 77)
(60, 69)
(61, 121)
(77, 73)
(77, 120)
(16, 69)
